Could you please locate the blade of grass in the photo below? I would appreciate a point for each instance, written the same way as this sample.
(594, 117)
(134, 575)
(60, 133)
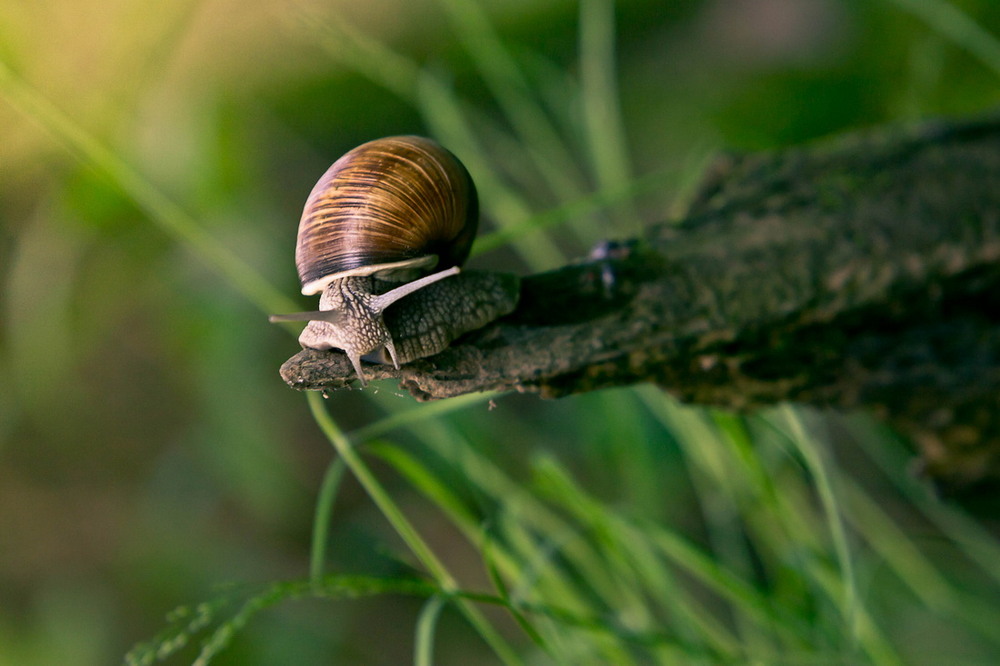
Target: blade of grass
(578, 555)
(487, 478)
(538, 577)
(927, 583)
(404, 528)
(957, 27)
(725, 467)
(500, 585)
(423, 412)
(506, 83)
(184, 623)
(866, 635)
(357, 50)
(732, 482)
(526, 560)
(523, 510)
(821, 470)
(500, 557)
(529, 563)
(424, 480)
(329, 587)
(786, 624)
(545, 580)
(636, 466)
(728, 535)
(568, 212)
(423, 649)
(160, 209)
(626, 597)
(188, 621)
(699, 632)
(889, 454)
(321, 516)
(604, 127)
(897, 550)
(621, 592)
(705, 569)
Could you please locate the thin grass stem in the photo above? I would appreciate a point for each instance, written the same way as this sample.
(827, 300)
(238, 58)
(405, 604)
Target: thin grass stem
(425, 412)
(160, 209)
(321, 517)
(508, 86)
(603, 123)
(957, 27)
(404, 528)
(423, 645)
(811, 453)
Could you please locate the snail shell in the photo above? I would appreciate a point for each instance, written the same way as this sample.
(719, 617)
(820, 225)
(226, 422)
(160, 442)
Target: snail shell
(374, 226)
(394, 208)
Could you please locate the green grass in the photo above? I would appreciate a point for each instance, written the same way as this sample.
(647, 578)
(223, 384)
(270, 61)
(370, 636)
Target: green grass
(786, 572)
(637, 530)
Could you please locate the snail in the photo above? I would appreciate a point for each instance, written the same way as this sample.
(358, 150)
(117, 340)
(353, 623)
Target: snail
(374, 227)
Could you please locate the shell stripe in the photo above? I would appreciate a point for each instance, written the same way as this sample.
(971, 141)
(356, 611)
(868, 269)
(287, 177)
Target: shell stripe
(385, 202)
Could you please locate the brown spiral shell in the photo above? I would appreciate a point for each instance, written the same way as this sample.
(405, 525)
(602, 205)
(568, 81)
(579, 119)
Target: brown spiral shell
(391, 204)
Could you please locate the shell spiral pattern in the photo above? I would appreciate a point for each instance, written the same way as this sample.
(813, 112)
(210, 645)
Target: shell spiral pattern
(396, 203)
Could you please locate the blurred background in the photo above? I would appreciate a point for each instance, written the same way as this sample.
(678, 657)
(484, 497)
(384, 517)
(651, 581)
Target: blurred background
(153, 165)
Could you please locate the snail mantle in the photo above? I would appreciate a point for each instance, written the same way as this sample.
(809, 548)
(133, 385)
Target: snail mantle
(858, 272)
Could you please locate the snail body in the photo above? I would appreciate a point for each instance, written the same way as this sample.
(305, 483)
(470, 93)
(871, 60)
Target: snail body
(373, 228)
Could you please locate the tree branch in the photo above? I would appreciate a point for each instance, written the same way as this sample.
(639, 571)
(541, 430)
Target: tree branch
(857, 273)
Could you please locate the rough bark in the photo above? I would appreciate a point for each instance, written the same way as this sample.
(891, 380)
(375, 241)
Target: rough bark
(856, 273)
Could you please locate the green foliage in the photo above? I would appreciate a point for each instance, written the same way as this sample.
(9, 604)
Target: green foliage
(618, 527)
